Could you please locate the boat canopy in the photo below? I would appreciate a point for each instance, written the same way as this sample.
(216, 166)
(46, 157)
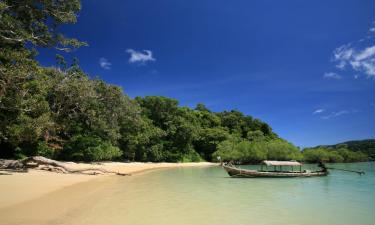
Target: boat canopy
(281, 163)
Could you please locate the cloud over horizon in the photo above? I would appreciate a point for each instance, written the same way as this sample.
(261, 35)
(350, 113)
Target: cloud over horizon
(140, 57)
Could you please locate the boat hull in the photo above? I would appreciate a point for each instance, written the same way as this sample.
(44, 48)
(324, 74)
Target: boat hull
(243, 173)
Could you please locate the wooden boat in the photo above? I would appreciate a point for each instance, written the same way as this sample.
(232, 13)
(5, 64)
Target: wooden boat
(277, 172)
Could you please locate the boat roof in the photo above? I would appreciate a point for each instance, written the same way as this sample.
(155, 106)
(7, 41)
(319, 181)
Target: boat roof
(281, 163)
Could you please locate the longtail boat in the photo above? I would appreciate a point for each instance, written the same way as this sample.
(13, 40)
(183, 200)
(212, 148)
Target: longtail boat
(277, 170)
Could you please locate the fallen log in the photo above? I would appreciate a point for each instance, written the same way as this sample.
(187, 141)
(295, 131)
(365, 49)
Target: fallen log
(12, 165)
(50, 165)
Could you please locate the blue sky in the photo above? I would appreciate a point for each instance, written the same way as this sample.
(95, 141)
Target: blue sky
(305, 67)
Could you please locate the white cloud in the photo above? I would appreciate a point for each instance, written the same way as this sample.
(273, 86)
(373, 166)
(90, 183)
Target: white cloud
(369, 67)
(105, 64)
(336, 114)
(141, 57)
(365, 54)
(360, 60)
(331, 75)
(318, 111)
(359, 56)
(342, 55)
(341, 113)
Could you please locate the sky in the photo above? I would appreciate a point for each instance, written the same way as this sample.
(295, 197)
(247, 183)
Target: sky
(307, 68)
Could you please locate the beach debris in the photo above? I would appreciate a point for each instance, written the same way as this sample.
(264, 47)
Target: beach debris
(43, 163)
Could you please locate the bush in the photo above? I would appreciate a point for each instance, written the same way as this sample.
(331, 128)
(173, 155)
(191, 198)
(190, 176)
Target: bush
(192, 156)
(227, 151)
(315, 155)
(335, 157)
(251, 152)
(89, 148)
(255, 152)
(43, 149)
(19, 154)
(282, 150)
(323, 154)
(155, 153)
(350, 156)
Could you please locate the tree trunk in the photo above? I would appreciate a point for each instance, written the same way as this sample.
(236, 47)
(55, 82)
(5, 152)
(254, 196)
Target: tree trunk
(50, 165)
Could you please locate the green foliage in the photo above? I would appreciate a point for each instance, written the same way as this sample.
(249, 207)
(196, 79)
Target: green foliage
(365, 146)
(342, 154)
(256, 135)
(227, 151)
(209, 139)
(251, 152)
(255, 152)
(43, 149)
(18, 154)
(192, 156)
(89, 148)
(36, 22)
(282, 150)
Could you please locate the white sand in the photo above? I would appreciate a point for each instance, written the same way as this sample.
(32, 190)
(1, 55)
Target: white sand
(19, 188)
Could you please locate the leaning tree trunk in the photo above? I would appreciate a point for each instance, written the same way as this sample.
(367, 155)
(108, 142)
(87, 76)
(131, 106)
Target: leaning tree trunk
(50, 165)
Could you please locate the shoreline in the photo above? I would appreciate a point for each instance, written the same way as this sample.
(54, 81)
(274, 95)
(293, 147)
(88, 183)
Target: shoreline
(19, 188)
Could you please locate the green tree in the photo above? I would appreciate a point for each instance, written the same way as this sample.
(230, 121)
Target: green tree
(209, 139)
(282, 150)
(36, 22)
(89, 148)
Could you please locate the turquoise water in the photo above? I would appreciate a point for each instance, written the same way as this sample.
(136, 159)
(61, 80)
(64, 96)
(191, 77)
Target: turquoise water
(203, 196)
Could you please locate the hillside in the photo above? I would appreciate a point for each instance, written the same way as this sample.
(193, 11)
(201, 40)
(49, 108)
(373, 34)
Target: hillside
(366, 146)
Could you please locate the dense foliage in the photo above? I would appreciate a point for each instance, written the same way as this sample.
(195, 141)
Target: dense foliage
(256, 151)
(365, 146)
(339, 153)
(61, 113)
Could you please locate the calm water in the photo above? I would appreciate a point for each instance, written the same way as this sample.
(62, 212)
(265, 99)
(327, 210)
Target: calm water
(206, 196)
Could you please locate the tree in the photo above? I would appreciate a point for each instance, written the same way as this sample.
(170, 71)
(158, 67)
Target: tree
(159, 109)
(335, 154)
(209, 139)
(24, 114)
(201, 107)
(37, 22)
(282, 150)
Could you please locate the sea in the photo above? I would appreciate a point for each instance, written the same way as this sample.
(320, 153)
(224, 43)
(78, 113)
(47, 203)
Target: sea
(208, 196)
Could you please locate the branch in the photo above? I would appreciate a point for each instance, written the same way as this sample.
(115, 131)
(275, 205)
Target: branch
(12, 39)
(50, 165)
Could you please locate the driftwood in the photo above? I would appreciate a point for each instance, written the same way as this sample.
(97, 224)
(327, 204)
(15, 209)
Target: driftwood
(43, 163)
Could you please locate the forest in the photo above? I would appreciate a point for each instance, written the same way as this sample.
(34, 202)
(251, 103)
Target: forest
(60, 112)
(366, 146)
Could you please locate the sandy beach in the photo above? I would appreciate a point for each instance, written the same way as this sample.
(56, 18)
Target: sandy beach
(29, 194)
(17, 188)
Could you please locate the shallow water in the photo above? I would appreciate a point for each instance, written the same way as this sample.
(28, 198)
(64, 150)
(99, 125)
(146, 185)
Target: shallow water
(203, 196)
